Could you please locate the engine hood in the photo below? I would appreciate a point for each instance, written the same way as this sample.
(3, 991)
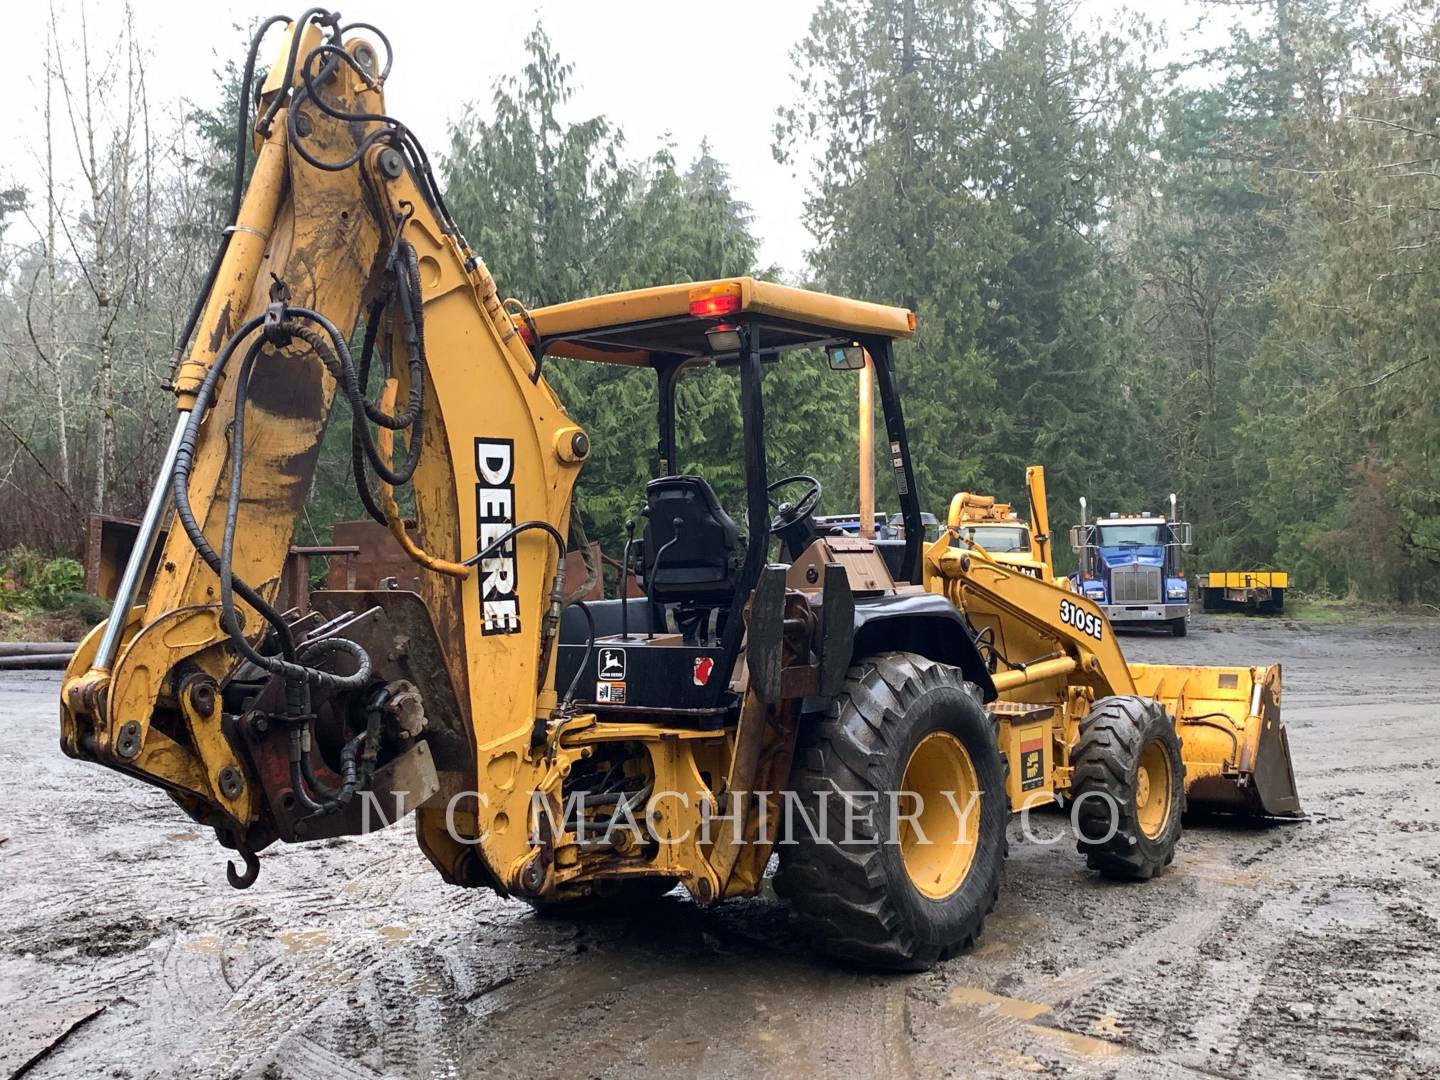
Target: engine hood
(1133, 556)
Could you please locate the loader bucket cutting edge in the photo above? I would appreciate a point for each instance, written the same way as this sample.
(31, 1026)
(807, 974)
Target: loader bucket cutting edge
(1234, 743)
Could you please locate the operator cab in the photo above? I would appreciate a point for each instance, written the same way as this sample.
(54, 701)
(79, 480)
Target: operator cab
(674, 636)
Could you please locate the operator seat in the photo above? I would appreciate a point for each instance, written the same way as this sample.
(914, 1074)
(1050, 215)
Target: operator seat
(696, 562)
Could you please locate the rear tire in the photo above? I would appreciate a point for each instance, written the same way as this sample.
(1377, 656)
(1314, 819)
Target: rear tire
(885, 900)
(1129, 788)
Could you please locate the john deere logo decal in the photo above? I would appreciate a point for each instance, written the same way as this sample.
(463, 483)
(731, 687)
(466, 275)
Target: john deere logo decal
(495, 513)
(611, 665)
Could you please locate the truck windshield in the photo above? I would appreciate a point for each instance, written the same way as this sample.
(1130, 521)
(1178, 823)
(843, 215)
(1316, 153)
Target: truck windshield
(1131, 535)
(996, 538)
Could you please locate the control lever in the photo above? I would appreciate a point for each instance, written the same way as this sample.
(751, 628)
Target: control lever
(625, 581)
(678, 523)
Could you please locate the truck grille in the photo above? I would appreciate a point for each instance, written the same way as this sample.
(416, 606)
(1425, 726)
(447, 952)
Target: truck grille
(1135, 585)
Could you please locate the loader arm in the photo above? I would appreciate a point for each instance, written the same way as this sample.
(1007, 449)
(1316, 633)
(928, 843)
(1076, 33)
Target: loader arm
(1043, 636)
(342, 215)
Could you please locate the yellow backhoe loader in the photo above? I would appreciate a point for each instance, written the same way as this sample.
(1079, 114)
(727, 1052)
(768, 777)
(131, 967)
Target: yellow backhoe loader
(568, 754)
(1207, 737)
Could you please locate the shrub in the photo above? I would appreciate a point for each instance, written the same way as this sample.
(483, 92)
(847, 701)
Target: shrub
(30, 581)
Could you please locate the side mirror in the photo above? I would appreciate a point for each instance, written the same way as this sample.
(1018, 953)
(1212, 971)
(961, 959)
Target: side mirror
(1079, 536)
(846, 357)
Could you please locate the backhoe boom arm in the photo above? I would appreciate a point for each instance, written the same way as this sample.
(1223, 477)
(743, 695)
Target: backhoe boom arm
(340, 218)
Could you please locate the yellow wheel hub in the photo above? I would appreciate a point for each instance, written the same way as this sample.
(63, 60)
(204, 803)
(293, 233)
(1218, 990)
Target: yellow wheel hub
(940, 797)
(1154, 789)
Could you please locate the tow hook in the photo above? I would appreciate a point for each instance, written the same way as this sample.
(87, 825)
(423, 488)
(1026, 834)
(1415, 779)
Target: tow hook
(252, 869)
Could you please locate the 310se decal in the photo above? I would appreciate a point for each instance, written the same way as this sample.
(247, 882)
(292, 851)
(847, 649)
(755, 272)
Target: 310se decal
(1083, 621)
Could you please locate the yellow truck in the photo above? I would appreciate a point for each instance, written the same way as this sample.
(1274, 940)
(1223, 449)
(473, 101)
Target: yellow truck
(995, 528)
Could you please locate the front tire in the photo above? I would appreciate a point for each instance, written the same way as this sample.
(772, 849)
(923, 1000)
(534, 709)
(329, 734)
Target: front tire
(1129, 788)
(1180, 627)
(913, 884)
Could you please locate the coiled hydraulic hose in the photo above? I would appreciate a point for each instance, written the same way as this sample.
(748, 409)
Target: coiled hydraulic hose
(357, 762)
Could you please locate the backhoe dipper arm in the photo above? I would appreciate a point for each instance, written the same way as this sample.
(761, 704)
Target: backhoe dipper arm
(340, 217)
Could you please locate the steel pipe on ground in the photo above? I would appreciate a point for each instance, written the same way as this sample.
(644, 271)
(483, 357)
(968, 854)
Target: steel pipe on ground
(35, 661)
(36, 648)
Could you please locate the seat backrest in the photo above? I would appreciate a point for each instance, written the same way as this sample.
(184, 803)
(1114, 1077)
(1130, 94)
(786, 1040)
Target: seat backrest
(698, 560)
(893, 552)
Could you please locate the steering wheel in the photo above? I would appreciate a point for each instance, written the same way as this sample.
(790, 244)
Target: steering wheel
(788, 513)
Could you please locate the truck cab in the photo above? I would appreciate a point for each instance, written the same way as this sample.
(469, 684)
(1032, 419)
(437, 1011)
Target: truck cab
(1130, 565)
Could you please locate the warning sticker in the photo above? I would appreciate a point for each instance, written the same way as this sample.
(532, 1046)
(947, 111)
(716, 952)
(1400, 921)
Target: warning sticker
(610, 693)
(1032, 764)
(897, 462)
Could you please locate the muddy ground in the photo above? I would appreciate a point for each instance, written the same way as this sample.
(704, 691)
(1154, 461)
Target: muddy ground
(1297, 951)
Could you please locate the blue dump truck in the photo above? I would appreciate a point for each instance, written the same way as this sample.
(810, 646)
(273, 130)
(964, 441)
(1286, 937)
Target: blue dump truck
(1130, 566)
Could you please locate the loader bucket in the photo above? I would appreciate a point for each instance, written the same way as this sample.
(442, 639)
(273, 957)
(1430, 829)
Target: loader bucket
(1233, 742)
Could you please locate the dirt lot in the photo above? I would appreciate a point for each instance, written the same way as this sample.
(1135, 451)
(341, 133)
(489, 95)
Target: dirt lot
(1306, 950)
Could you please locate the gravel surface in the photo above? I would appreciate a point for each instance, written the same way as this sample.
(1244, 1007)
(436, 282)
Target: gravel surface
(1306, 950)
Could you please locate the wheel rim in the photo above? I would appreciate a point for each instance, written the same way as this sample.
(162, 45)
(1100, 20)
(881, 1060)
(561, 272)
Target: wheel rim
(1153, 789)
(938, 854)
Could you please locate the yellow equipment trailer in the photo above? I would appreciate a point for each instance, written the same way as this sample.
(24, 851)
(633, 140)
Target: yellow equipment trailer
(1261, 591)
(1053, 656)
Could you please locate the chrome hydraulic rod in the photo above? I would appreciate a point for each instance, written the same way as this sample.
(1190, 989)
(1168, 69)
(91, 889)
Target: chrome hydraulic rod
(155, 511)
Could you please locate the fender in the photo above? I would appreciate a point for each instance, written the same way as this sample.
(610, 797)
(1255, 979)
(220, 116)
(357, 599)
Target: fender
(925, 624)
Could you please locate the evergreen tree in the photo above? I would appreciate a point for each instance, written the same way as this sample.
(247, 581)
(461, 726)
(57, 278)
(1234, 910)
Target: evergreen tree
(965, 156)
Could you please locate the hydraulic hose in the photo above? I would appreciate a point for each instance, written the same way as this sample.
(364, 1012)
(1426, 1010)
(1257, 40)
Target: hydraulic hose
(290, 664)
(584, 609)
(237, 189)
(357, 762)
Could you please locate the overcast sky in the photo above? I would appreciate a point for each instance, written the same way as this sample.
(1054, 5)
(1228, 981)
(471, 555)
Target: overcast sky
(660, 69)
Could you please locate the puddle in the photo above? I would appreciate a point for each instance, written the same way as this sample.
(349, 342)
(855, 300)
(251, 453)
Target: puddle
(1109, 1024)
(304, 940)
(1354, 909)
(1027, 1011)
(998, 1003)
(1083, 1045)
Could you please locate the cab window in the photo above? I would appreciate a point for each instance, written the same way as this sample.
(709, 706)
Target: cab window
(1130, 536)
(995, 538)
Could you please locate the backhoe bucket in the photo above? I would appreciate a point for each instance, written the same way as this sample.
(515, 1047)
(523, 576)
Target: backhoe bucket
(1233, 742)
